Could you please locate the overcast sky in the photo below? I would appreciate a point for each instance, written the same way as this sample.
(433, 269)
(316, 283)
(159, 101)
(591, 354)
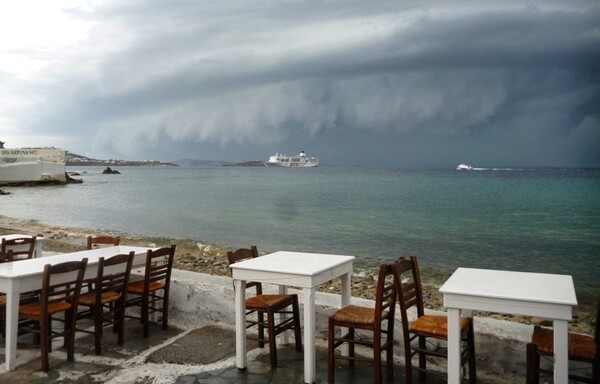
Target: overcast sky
(402, 83)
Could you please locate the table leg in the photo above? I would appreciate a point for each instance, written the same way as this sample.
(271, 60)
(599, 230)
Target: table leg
(240, 323)
(453, 346)
(310, 362)
(285, 336)
(346, 296)
(561, 354)
(12, 320)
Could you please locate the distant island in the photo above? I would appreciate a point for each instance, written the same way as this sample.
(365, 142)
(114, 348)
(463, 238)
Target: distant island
(79, 160)
(73, 159)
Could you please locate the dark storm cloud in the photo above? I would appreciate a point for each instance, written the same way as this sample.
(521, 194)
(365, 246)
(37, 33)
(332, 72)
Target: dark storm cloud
(402, 83)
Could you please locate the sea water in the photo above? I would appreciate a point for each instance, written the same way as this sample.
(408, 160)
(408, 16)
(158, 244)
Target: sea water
(542, 220)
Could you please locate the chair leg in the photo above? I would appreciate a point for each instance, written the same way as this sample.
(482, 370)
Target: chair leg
(377, 357)
(165, 312)
(119, 323)
(70, 317)
(472, 368)
(297, 327)
(330, 351)
(422, 358)
(97, 329)
(145, 315)
(44, 344)
(272, 336)
(532, 364)
(261, 329)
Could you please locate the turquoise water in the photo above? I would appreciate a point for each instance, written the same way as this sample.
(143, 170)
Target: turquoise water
(545, 220)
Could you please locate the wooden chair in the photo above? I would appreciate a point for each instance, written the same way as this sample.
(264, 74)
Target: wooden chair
(261, 305)
(420, 335)
(61, 285)
(22, 247)
(152, 293)
(378, 320)
(582, 348)
(105, 302)
(102, 241)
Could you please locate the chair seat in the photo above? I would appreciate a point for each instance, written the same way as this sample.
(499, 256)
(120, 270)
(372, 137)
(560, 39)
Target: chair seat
(357, 315)
(581, 347)
(34, 310)
(89, 298)
(261, 302)
(436, 325)
(137, 287)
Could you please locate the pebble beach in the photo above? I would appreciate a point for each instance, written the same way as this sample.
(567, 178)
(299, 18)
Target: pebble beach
(212, 259)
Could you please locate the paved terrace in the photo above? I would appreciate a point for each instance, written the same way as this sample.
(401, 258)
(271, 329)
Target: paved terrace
(199, 347)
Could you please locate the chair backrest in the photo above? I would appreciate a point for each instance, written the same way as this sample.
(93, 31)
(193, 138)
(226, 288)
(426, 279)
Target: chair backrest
(385, 295)
(102, 240)
(62, 283)
(6, 257)
(113, 275)
(21, 246)
(408, 285)
(244, 254)
(159, 264)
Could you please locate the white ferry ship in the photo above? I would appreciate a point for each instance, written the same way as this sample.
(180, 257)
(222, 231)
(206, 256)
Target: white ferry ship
(35, 165)
(464, 167)
(299, 161)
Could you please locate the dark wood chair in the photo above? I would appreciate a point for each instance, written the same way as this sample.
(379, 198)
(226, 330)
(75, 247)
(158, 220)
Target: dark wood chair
(22, 247)
(61, 285)
(151, 294)
(378, 320)
(105, 302)
(582, 348)
(262, 305)
(427, 335)
(102, 241)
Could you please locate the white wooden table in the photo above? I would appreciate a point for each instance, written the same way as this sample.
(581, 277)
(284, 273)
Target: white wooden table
(304, 270)
(523, 293)
(39, 242)
(26, 275)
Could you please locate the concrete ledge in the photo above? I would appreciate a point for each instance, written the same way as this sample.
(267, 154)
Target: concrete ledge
(199, 299)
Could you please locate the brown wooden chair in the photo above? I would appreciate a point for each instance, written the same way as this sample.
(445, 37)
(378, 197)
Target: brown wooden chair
(427, 335)
(151, 294)
(61, 285)
(582, 348)
(105, 302)
(22, 247)
(378, 320)
(262, 305)
(102, 241)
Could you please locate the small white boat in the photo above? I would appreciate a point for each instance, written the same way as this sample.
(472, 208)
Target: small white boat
(464, 167)
(299, 161)
(32, 165)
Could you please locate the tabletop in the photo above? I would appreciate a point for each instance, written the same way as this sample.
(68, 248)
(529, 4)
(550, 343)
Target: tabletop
(299, 263)
(513, 285)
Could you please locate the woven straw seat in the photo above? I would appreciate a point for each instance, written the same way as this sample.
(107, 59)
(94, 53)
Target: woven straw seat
(35, 310)
(89, 298)
(426, 328)
(262, 305)
(151, 295)
(379, 321)
(61, 285)
(582, 348)
(436, 325)
(137, 287)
